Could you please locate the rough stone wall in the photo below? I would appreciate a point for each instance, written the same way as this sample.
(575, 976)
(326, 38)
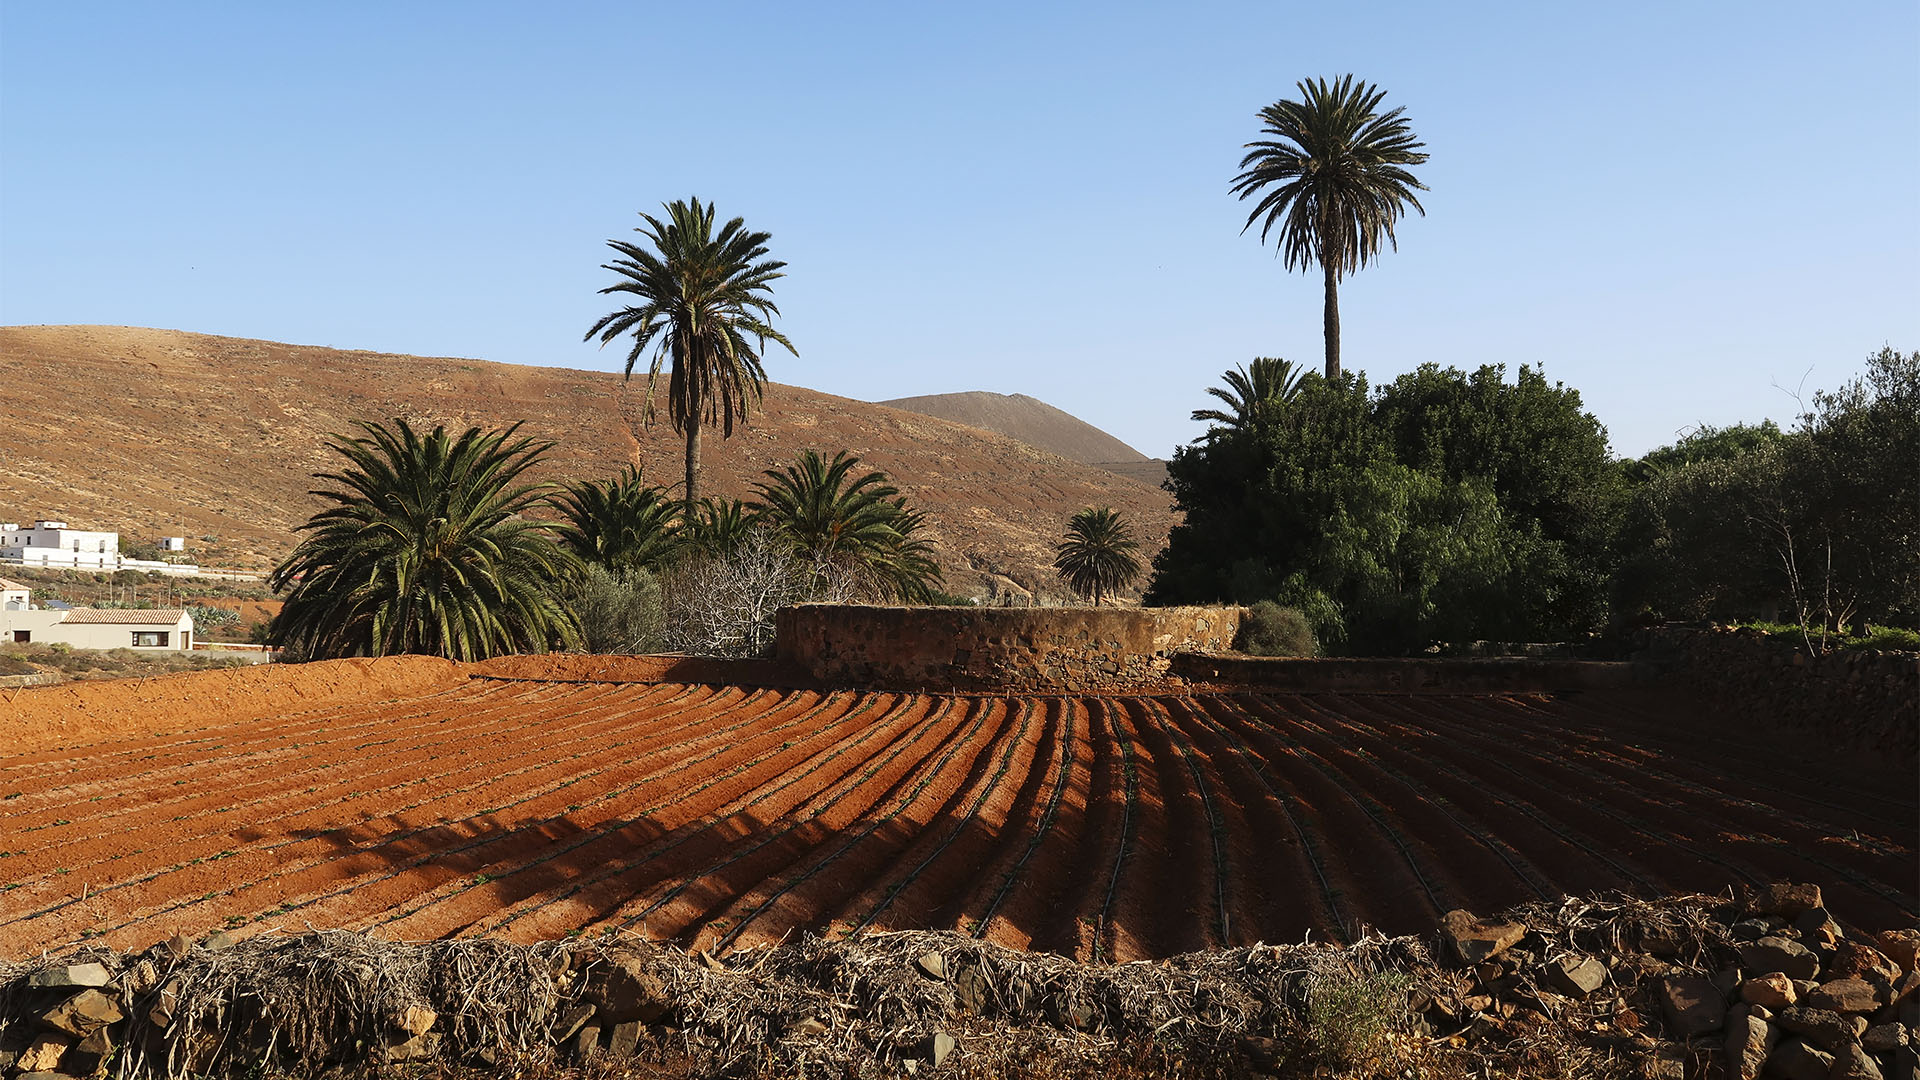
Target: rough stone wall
(1017, 650)
(1860, 699)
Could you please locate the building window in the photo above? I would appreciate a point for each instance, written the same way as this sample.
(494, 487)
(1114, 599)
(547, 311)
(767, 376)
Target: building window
(22, 637)
(151, 639)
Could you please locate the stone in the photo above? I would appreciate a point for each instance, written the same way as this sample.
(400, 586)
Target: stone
(1749, 1041)
(1750, 930)
(571, 1022)
(586, 1041)
(1906, 1064)
(971, 990)
(179, 945)
(932, 964)
(1691, 1004)
(1899, 946)
(1795, 1060)
(1774, 990)
(1785, 899)
(1906, 988)
(90, 1054)
(624, 1040)
(1824, 1028)
(1844, 996)
(140, 978)
(218, 941)
(73, 975)
(83, 1014)
(1850, 1062)
(1576, 976)
(1885, 1038)
(1473, 940)
(626, 990)
(808, 1026)
(1852, 959)
(1077, 1015)
(942, 1047)
(160, 1013)
(43, 1054)
(1790, 958)
(1818, 929)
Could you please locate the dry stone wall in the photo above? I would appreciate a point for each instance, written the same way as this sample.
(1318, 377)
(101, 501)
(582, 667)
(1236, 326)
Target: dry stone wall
(1859, 699)
(1017, 650)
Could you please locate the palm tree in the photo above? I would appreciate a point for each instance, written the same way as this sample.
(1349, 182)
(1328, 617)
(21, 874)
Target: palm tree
(1254, 395)
(1096, 557)
(700, 297)
(850, 523)
(718, 525)
(620, 523)
(424, 551)
(1332, 176)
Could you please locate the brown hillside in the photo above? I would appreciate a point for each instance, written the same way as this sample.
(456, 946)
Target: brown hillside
(1029, 420)
(163, 432)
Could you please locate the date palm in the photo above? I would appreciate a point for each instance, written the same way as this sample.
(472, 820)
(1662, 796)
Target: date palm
(701, 299)
(1096, 558)
(1332, 177)
(621, 523)
(424, 551)
(846, 522)
(1254, 395)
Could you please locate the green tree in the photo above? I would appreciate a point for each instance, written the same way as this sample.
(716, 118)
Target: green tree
(718, 525)
(1253, 395)
(1332, 176)
(1096, 558)
(844, 523)
(702, 299)
(424, 551)
(620, 523)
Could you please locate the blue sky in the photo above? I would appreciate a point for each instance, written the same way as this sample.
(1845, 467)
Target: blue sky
(1684, 210)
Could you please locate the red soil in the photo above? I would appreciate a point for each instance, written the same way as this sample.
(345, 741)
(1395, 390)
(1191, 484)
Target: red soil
(708, 806)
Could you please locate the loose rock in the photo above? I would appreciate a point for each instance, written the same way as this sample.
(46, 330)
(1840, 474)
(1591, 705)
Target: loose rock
(1474, 940)
(1749, 1041)
(73, 975)
(1795, 1060)
(1692, 1005)
(1576, 976)
(1782, 898)
(1773, 990)
(1827, 1029)
(1844, 996)
(83, 1014)
(1790, 958)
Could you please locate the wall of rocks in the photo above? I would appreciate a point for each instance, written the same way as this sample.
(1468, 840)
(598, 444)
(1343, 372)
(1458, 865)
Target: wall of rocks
(1016, 650)
(1859, 699)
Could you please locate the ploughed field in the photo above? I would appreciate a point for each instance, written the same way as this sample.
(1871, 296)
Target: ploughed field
(1100, 827)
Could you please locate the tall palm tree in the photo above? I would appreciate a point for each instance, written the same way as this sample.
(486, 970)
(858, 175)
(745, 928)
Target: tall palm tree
(424, 551)
(1332, 176)
(1096, 558)
(847, 522)
(621, 523)
(1254, 395)
(703, 300)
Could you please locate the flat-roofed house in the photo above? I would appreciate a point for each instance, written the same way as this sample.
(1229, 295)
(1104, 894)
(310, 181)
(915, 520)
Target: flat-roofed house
(153, 629)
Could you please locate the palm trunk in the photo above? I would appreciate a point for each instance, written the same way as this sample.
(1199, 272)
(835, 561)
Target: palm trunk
(1332, 321)
(693, 442)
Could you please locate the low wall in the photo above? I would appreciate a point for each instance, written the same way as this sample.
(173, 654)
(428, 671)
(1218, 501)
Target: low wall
(1408, 676)
(1018, 650)
(1857, 699)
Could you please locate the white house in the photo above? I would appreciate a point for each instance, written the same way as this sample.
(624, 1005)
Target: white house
(154, 630)
(52, 543)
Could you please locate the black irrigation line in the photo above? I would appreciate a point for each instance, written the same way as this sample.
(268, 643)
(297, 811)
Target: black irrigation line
(1131, 781)
(959, 826)
(1067, 756)
(146, 878)
(609, 827)
(876, 823)
(1750, 875)
(1519, 864)
(411, 864)
(893, 748)
(194, 786)
(1604, 726)
(1646, 829)
(1531, 811)
(1216, 827)
(1284, 800)
(1602, 750)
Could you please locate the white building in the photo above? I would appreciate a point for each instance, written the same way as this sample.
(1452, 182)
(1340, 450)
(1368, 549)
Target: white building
(52, 543)
(156, 630)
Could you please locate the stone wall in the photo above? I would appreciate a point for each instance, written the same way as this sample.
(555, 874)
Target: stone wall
(1414, 675)
(1858, 699)
(1016, 650)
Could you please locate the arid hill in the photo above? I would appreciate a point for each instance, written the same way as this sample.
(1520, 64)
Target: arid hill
(166, 433)
(1039, 424)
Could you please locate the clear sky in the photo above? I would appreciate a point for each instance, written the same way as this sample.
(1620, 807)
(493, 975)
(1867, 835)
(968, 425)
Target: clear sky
(1684, 210)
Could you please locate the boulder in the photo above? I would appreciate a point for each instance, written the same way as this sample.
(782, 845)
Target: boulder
(1824, 1028)
(83, 1014)
(72, 975)
(43, 1054)
(1749, 1041)
(1899, 946)
(1773, 990)
(1782, 898)
(1885, 1038)
(415, 1021)
(1850, 1062)
(940, 1047)
(1786, 956)
(1795, 1060)
(1576, 976)
(1852, 959)
(623, 1040)
(625, 990)
(1474, 940)
(932, 964)
(1691, 1004)
(1844, 996)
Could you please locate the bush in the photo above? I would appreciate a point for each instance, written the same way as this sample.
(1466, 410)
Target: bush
(618, 611)
(1351, 1013)
(1272, 630)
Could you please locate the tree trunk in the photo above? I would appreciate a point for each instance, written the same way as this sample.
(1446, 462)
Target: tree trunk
(693, 443)
(1332, 322)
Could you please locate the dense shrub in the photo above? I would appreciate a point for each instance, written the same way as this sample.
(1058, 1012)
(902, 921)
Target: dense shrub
(618, 612)
(1272, 630)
